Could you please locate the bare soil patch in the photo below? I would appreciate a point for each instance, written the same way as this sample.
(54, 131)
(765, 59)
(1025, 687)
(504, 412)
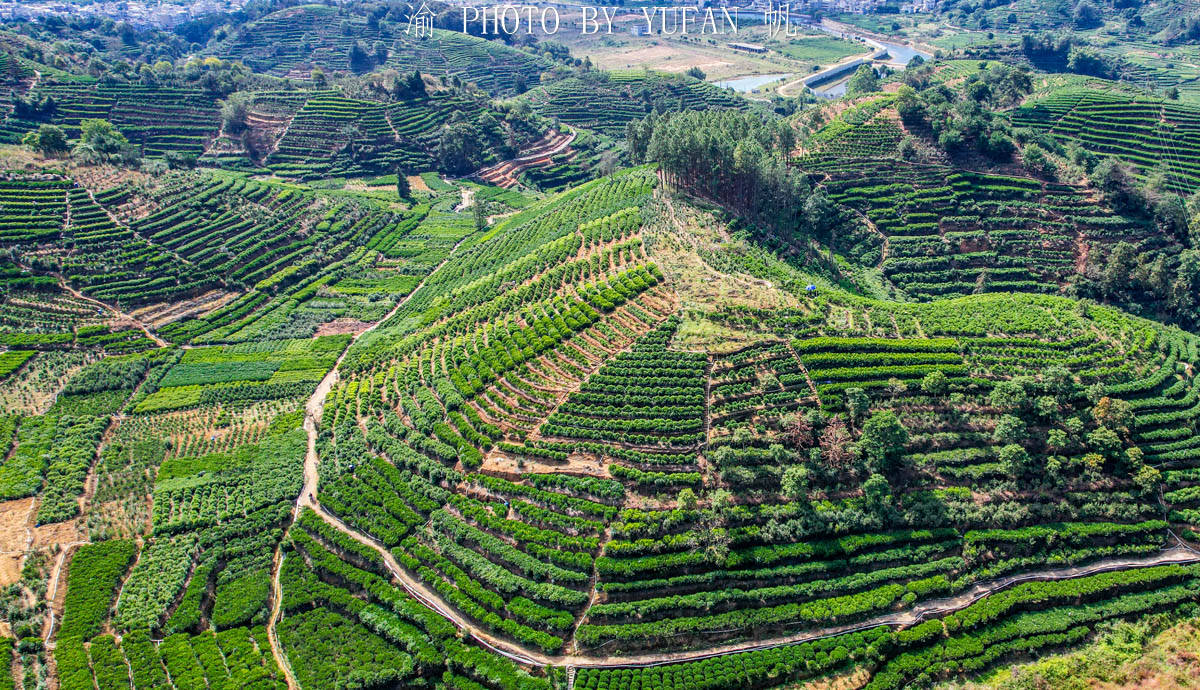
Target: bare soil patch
(10, 572)
(14, 525)
(57, 533)
(159, 315)
(668, 58)
(342, 326)
(417, 183)
(506, 465)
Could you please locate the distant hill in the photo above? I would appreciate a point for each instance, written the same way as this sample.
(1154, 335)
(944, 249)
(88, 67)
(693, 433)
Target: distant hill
(607, 101)
(291, 42)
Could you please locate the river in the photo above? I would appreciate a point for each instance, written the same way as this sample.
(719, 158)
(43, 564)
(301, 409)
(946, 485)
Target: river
(899, 53)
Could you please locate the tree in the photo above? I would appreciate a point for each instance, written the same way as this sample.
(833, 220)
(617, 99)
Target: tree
(687, 499)
(835, 444)
(877, 494)
(415, 84)
(1184, 292)
(696, 73)
(895, 387)
(359, 60)
(1170, 215)
(47, 140)
(882, 441)
(1008, 395)
(403, 189)
(479, 212)
(857, 404)
(820, 213)
(1084, 60)
(1148, 479)
(737, 159)
(935, 383)
(794, 484)
(1104, 441)
(234, 111)
(798, 430)
(1046, 407)
(1038, 160)
(319, 79)
(1010, 429)
(1087, 15)
(909, 105)
(1056, 439)
(1016, 460)
(1113, 413)
(458, 147)
(1059, 382)
(100, 142)
(864, 81)
(742, 437)
(1115, 180)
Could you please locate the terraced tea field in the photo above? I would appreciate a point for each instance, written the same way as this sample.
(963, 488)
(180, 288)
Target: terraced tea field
(365, 359)
(1154, 136)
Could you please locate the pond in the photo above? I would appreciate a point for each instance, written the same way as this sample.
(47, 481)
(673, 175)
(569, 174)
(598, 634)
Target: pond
(750, 83)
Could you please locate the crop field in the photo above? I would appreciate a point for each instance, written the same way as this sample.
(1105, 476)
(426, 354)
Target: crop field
(950, 233)
(201, 232)
(936, 231)
(607, 101)
(550, 552)
(525, 443)
(254, 371)
(1154, 136)
(353, 358)
(161, 119)
(329, 135)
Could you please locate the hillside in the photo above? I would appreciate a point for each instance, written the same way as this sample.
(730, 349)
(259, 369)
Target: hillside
(512, 437)
(334, 358)
(607, 101)
(941, 510)
(1156, 136)
(293, 41)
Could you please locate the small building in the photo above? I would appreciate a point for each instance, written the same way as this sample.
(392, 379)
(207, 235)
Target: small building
(749, 48)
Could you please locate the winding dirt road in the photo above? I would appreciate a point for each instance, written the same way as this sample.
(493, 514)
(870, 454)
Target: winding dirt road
(903, 619)
(312, 413)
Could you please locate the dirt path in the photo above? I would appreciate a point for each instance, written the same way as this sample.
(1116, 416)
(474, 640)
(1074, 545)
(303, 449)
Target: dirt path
(468, 197)
(54, 597)
(803, 370)
(281, 659)
(312, 412)
(120, 314)
(931, 608)
(1082, 251)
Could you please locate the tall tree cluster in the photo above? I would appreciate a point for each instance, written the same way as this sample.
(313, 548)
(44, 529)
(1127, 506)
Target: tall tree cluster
(739, 160)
